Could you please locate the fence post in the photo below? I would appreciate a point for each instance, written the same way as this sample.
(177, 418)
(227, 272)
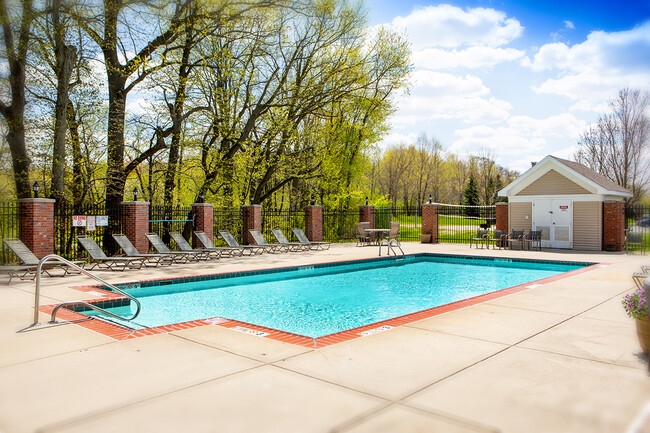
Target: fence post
(251, 220)
(502, 216)
(203, 222)
(136, 223)
(613, 225)
(36, 225)
(367, 214)
(430, 220)
(314, 223)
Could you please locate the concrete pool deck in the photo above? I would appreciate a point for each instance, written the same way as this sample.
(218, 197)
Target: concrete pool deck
(561, 357)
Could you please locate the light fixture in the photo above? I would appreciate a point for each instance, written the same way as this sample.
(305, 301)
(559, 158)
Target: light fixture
(313, 201)
(366, 200)
(135, 194)
(429, 198)
(202, 197)
(36, 187)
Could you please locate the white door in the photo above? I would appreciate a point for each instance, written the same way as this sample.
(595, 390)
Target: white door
(554, 217)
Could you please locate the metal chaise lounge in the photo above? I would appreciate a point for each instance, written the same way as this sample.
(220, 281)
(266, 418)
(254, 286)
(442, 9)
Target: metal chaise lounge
(260, 240)
(209, 245)
(293, 246)
(22, 272)
(314, 245)
(232, 242)
(178, 256)
(203, 253)
(100, 260)
(152, 259)
(30, 260)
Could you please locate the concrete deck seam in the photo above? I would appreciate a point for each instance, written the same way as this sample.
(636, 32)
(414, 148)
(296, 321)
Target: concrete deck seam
(568, 355)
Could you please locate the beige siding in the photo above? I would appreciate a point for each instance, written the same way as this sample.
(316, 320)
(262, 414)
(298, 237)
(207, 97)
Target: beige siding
(587, 225)
(517, 214)
(553, 183)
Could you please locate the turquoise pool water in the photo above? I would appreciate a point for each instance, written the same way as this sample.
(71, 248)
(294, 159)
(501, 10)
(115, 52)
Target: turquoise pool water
(315, 301)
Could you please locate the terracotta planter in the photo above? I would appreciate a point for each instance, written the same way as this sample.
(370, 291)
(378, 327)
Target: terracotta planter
(425, 238)
(643, 332)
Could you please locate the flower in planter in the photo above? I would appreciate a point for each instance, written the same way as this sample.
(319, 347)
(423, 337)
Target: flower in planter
(636, 305)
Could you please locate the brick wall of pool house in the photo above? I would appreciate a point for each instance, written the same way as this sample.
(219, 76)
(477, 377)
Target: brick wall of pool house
(613, 225)
(136, 223)
(251, 220)
(36, 225)
(203, 222)
(314, 223)
(502, 216)
(430, 220)
(367, 214)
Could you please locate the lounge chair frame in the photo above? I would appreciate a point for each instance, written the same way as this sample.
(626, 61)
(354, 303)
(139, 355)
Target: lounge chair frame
(99, 259)
(260, 240)
(209, 245)
(28, 259)
(203, 253)
(232, 242)
(152, 259)
(314, 245)
(293, 246)
(178, 256)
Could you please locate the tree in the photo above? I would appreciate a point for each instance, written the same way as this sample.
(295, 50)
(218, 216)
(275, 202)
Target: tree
(471, 195)
(617, 145)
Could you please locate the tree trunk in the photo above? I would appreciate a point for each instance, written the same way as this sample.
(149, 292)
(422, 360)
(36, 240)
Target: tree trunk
(77, 159)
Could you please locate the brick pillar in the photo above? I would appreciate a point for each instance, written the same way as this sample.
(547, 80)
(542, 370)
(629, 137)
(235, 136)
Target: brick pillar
(204, 221)
(367, 214)
(36, 225)
(314, 223)
(251, 220)
(613, 225)
(430, 220)
(136, 223)
(502, 216)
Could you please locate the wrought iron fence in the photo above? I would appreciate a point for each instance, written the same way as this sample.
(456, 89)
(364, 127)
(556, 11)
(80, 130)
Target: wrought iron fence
(409, 218)
(98, 223)
(167, 219)
(339, 225)
(457, 224)
(227, 219)
(637, 220)
(8, 229)
(284, 220)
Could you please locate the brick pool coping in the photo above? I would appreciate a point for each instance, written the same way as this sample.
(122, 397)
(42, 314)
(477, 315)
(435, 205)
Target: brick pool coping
(119, 333)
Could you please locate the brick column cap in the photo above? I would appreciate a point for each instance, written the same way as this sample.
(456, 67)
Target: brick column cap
(431, 204)
(36, 200)
(252, 205)
(135, 202)
(501, 203)
(313, 206)
(202, 205)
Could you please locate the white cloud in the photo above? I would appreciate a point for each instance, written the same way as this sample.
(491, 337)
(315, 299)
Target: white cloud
(473, 57)
(569, 25)
(449, 26)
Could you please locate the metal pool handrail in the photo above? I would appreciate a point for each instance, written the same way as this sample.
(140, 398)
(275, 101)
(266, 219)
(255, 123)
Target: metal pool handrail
(59, 259)
(389, 247)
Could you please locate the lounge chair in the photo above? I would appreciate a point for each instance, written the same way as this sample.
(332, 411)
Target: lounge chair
(152, 259)
(480, 237)
(30, 260)
(363, 237)
(22, 272)
(314, 245)
(260, 240)
(394, 232)
(209, 245)
(498, 239)
(293, 246)
(179, 256)
(533, 237)
(203, 253)
(232, 242)
(516, 237)
(100, 260)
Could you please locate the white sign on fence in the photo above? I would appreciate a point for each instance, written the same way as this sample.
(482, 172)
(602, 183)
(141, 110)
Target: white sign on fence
(78, 221)
(90, 223)
(101, 220)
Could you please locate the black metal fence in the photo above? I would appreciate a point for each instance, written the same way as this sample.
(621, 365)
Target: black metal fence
(457, 224)
(340, 225)
(284, 220)
(229, 219)
(409, 218)
(167, 219)
(96, 222)
(637, 220)
(8, 229)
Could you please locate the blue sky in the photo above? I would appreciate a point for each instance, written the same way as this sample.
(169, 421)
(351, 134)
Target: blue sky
(517, 80)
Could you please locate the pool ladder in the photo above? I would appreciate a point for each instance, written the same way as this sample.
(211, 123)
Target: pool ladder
(389, 247)
(59, 259)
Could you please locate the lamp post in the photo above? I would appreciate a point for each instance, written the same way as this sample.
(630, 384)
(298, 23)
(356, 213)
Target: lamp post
(36, 187)
(202, 197)
(135, 194)
(429, 198)
(366, 200)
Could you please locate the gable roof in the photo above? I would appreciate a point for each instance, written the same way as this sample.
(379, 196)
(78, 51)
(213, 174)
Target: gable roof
(577, 172)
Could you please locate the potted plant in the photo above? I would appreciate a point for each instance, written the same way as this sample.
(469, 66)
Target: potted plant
(636, 306)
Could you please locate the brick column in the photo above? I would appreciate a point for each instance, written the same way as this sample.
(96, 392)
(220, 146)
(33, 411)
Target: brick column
(203, 222)
(251, 220)
(36, 225)
(613, 225)
(136, 223)
(367, 214)
(430, 220)
(502, 216)
(314, 223)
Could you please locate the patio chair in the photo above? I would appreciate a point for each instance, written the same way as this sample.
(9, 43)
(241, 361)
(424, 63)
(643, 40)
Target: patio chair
(363, 237)
(498, 239)
(260, 240)
(394, 232)
(178, 256)
(29, 259)
(100, 260)
(293, 246)
(633, 242)
(232, 242)
(480, 237)
(515, 237)
(314, 245)
(131, 251)
(533, 237)
(209, 245)
(203, 253)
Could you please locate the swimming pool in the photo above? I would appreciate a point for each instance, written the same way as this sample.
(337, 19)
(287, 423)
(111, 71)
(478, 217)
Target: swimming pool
(320, 300)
